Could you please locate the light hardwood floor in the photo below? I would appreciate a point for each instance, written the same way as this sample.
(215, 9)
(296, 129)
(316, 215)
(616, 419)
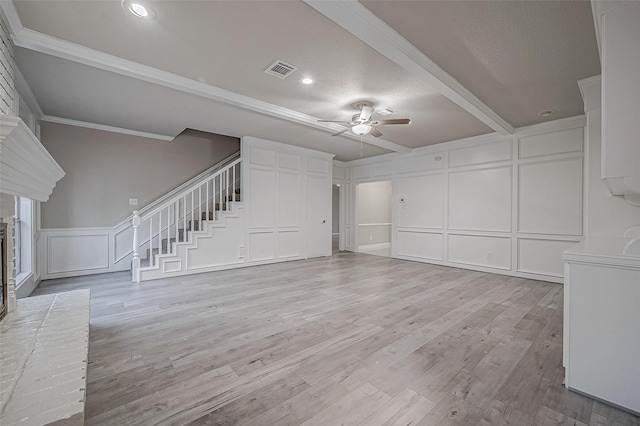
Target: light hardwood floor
(347, 340)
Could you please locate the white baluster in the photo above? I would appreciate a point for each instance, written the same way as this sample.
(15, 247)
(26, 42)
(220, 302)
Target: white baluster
(176, 219)
(206, 201)
(226, 188)
(220, 193)
(151, 241)
(135, 266)
(159, 233)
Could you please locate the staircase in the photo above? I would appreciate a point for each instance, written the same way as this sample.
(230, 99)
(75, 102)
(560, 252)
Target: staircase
(166, 233)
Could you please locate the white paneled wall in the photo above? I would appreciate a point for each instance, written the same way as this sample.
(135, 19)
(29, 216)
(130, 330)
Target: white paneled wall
(281, 182)
(508, 205)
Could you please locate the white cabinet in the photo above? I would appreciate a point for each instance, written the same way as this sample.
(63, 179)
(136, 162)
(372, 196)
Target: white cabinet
(602, 320)
(619, 24)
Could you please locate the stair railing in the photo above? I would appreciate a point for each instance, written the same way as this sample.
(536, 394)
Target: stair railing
(175, 219)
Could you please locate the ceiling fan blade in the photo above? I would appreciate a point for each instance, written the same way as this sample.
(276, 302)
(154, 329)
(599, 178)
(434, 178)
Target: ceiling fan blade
(391, 121)
(365, 113)
(341, 132)
(333, 121)
(375, 132)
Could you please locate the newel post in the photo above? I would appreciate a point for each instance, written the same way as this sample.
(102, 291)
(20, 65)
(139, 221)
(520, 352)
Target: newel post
(135, 264)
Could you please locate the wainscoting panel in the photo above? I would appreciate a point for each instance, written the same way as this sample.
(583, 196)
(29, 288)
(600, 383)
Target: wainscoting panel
(288, 205)
(220, 247)
(261, 246)
(362, 172)
(550, 197)
(259, 156)
(481, 154)
(487, 251)
(561, 142)
(289, 161)
(419, 245)
(318, 166)
(123, 243)
(480, 200)
(382, 169)
(542, 257)
(420, 201)
(421, 163)
(82, 252)
(288, 244)
(262, 191)
(339, 173)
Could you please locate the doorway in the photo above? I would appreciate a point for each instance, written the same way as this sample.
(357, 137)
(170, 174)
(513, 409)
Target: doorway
(318, 217)
(373, 218)
(335, 218)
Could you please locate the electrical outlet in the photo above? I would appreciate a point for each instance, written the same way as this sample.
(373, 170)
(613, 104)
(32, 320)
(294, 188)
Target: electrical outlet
(370, 237)
(133, 201)
(488, 256)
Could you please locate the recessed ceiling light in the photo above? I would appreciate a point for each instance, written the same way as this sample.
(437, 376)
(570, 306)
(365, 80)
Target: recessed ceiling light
(139, 9)
(307, 80)
(546, 113)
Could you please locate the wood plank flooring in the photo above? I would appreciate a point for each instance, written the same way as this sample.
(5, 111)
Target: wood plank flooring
(353, 339)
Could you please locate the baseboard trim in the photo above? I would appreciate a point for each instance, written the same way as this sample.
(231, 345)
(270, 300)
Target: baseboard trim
(378, 246)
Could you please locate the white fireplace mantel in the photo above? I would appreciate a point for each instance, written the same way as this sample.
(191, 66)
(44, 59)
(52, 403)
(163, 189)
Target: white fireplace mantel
(26, 168)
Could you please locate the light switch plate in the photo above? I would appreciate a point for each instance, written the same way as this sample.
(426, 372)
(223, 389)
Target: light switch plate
(133, 201)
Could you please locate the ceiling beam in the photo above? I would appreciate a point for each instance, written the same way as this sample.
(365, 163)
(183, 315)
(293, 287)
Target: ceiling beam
(362, 23)
(43, 43)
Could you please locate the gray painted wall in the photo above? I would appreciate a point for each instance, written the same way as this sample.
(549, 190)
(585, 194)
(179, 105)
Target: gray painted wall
(335, 210)
(104, 169)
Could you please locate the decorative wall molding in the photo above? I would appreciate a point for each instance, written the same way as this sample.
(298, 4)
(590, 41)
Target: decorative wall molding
(87, 125)
(422, 225)
(79, 251)
(362, 23)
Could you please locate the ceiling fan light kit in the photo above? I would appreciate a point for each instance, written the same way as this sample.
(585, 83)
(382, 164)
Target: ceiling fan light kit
(361, 123)
(361, 129)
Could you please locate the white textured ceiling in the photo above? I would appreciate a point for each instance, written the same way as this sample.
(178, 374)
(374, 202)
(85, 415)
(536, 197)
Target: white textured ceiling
(516, 57)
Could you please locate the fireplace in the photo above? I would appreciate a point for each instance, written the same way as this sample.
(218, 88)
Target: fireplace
(3, 269)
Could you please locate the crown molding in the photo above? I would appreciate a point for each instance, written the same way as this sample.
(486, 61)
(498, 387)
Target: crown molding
(53, 46)
(591, 91)
(87, 125)
(11, 14)
(362, 23)
(552, 126)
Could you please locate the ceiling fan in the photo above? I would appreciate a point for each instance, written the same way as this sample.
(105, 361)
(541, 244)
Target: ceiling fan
(361, 123)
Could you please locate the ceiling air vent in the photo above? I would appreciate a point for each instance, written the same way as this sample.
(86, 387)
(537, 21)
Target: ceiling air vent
(386, 111)
(280, 69)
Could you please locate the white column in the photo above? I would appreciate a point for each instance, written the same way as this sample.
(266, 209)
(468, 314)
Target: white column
(135, 264)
